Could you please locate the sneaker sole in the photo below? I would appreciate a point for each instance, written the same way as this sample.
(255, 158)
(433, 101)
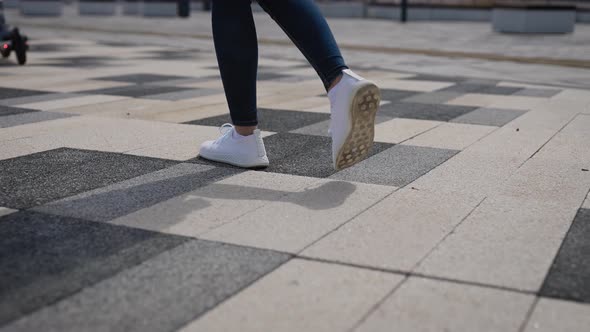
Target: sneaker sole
(359, 141)
(259, 165)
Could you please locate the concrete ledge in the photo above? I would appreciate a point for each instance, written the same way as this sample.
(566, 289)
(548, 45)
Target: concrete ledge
(102, 8)
(11, 3)
(131, 7)
(160, 9)
(41, 8)
(583, 17)
(532, 20)
(342, 9)
(431, 13)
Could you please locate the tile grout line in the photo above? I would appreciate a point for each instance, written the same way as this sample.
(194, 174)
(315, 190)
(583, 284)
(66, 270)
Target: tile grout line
(378, 304)
(529, 314)
(452, 231)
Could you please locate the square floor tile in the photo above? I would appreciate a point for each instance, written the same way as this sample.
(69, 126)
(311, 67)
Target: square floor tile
(210, 207)
(272, 120)
(39, 178)
(140, 78)
(454, 136)
(307, 296)
(31, 117)
(537, 92)
(489, 116)
(420, 111)
(298, 219)
(8, 110)
(435, 97)
(482, 88)
(398, 129)
(396, 166)
(435, 78)
(431, 305)
(45, 258)
(569, 277)
(396, 95)
(128, 196)
(140, 280)
(6, 93)
(551, 315)
(136, 90)
(304, 154)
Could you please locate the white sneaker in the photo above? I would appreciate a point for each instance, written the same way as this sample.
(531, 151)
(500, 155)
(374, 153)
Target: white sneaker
(354, 102)
(234, 149)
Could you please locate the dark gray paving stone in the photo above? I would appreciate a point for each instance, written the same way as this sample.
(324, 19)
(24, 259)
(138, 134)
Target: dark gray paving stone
(37, 98)
(140, 78)
(396, 95)
(435, 97)
(304, 155)
(122, 198)
(481, 88)
(569, 276)
(6, 93)
(435, 112)
(396, 166)
(162, 294)
(45, 258)
(435, 78)
(172, 55)
(534, 92)
(321, 128)
(489, 116)
(271, 120)
(186, 94)
(31, 117)
(137, 90)
(8, 110)
(79, 61)
(264, 76)
(43, 177)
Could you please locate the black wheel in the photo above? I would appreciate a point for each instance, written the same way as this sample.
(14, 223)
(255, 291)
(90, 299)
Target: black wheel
(5, 53)
(19, 46)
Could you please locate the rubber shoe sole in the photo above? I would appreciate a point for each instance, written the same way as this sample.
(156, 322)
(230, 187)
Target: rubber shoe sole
(259, 164)
(363, 108)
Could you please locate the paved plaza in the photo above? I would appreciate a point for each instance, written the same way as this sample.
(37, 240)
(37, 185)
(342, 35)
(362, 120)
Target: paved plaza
(471, 214)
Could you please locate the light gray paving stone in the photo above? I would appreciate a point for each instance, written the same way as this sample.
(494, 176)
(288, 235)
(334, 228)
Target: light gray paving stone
(37, 98)
(397, 232)
(557, 315)
(304, 216)
(517, 237)
(570, 145)
(5, 211)
(436, 97)
(32, 117)
(122, 198)
(399, 129)
(451, 136)
(161, 294)
(396, 166)
(216, 204)
(484, 166)
(489, 116)
(301, 296)
(429, 305)
(321, 128)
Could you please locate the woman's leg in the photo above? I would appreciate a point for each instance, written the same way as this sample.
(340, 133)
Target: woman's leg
(303, 22)
(236, 47)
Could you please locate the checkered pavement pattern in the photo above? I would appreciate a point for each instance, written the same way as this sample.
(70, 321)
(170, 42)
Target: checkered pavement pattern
(473, 203)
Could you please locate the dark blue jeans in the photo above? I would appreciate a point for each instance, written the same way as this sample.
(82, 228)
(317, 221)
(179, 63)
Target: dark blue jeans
(236, 47)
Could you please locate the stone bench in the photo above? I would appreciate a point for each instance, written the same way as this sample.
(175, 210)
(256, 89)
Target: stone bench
(534, 19)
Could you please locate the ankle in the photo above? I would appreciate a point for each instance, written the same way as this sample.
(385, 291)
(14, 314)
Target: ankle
(245, 130)
(335, 82)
